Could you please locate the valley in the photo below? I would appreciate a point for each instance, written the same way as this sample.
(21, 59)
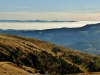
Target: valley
(84, 38)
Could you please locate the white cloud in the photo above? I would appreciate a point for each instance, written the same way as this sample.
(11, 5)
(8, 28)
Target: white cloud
(49, 16)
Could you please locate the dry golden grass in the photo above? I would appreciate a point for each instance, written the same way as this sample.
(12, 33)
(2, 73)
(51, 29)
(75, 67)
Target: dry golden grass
(91, 73)
(8, 68)
(23, 46)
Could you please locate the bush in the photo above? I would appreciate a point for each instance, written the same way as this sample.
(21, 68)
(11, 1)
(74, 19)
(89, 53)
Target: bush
(56, 50)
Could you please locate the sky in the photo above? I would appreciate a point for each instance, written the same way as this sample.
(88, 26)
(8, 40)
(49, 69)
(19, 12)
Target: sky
(79, 10)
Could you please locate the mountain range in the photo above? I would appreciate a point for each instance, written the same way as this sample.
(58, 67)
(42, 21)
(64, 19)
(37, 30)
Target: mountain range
(86, 38)
(35, 21)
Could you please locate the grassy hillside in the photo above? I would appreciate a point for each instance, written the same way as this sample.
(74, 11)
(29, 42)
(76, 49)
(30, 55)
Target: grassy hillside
(8, 68)
(39, 56)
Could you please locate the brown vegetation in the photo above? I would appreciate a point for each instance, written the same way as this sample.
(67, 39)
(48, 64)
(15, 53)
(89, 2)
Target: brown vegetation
(8, 68)
(36, 56)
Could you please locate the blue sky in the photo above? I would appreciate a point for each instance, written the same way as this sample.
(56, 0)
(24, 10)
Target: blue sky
(50, 9)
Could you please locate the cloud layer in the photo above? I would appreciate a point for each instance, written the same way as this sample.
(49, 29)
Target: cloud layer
(50, 16)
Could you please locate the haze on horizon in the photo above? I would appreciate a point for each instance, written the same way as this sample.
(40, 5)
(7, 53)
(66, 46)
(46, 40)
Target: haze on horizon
(78, 10)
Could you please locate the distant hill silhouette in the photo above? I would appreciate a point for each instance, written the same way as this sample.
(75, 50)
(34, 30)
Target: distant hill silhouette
(34, 21)
(66, 36)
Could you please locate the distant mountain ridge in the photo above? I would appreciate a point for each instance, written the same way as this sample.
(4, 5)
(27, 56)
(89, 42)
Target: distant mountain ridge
(35, 21)
(89, 47)
(66, 36)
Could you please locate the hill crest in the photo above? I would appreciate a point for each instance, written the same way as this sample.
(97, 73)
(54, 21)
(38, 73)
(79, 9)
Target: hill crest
(43, 56)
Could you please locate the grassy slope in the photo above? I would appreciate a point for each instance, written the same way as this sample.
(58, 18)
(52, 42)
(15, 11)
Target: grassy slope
(8, 68)
(43, 56)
